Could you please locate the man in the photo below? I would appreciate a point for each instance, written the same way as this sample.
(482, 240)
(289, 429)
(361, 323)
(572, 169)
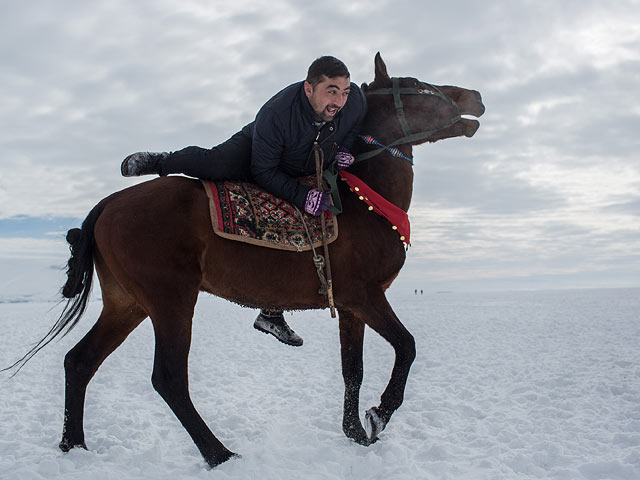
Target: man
(276, 148)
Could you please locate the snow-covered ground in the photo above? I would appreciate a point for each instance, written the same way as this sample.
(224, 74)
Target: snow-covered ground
(505, 386)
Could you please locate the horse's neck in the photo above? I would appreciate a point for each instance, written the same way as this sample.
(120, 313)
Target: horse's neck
(389, 176)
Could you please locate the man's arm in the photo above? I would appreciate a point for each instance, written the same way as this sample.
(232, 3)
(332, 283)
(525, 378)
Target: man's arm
(267, 149)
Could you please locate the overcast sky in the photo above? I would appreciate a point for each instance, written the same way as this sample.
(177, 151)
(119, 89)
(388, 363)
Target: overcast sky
(546, 195)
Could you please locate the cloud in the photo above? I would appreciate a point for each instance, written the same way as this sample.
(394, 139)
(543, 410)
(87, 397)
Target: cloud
(85, 84)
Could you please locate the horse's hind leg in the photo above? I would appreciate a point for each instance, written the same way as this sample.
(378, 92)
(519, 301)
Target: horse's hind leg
(116, 321)
(172, 320)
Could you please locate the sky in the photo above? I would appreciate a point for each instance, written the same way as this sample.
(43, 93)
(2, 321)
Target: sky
(546, 195)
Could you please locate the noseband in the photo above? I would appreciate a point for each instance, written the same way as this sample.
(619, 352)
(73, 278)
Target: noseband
(408, 137)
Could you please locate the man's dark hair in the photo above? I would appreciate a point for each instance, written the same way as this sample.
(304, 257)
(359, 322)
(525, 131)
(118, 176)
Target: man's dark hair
(328, 66)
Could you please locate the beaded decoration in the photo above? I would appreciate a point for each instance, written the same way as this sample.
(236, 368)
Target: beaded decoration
(397, 217)
(368, 139)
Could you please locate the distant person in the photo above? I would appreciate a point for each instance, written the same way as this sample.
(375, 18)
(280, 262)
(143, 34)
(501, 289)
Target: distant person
(276, 148)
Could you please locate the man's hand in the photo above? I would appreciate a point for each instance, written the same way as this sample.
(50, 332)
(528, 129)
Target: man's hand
(317, 202)
(344, 159)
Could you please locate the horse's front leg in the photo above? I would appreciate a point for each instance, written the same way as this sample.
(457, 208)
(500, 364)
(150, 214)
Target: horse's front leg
(377, 313)
(351, 339)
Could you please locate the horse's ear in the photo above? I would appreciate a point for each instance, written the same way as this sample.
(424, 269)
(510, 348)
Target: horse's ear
(381, 75)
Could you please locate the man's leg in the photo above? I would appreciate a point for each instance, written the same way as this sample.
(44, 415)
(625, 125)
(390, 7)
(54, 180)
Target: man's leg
(228, 161)
(272, 321)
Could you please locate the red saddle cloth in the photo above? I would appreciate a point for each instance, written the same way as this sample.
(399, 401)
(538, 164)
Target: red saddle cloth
(248, 213)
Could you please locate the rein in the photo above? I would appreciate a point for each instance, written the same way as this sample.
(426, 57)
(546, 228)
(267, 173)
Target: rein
(331, 175)
(328, 288)
(375, 201)
(408, 137)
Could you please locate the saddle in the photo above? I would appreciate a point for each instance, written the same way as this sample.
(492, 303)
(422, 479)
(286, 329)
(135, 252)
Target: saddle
(247, 213)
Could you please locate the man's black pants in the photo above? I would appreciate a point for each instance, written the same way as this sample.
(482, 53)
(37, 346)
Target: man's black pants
(228, 161)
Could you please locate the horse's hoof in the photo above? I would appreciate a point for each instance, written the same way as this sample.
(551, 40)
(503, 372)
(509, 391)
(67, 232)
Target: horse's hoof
(365, 441)
(214, 462)
(357, 434)
(373, 424)
(65, 445)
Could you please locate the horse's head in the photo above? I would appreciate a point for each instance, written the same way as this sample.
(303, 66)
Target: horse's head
(407, 111)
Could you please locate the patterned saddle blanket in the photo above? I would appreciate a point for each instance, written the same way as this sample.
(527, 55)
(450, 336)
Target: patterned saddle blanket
(246, 212)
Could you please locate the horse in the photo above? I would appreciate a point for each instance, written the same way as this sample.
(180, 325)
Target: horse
(154, 251)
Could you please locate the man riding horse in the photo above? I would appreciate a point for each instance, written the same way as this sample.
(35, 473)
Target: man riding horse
(276, 148)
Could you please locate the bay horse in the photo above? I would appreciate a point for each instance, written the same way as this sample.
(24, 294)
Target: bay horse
(153, 249)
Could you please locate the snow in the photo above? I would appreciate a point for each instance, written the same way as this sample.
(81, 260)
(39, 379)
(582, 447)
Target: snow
(517, 385)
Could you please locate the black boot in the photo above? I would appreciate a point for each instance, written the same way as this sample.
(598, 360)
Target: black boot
(142, 163)
(272, 321)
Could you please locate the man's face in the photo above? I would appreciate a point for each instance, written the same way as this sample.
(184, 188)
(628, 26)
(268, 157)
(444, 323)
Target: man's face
(328, 97)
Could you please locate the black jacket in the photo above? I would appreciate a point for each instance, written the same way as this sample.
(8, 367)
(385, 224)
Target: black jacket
(283, 133)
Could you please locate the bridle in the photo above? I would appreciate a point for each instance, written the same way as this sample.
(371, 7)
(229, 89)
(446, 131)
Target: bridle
(408, 137)
(330, 175)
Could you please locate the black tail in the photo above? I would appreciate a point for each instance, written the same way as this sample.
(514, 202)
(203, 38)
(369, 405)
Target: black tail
(78, 286)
